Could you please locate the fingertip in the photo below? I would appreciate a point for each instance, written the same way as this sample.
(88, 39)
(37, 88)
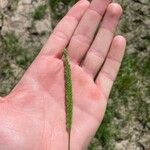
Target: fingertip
(115, 9)
(78, 9)
(83, 2)
(119, 41)
(112, 16)
(100, 5)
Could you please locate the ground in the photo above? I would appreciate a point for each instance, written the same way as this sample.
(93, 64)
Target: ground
(26, 24)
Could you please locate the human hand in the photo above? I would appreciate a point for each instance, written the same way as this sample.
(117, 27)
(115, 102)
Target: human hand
(32, 116)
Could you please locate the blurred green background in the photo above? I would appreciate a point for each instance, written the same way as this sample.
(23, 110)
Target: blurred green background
(26, 24)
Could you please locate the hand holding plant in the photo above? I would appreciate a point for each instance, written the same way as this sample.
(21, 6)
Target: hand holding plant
(33, 115)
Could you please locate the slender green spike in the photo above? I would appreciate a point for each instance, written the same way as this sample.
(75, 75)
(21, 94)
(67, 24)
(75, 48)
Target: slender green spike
(68, 94)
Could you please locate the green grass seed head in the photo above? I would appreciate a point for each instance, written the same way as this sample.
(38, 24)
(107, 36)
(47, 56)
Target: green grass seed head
(68, 91)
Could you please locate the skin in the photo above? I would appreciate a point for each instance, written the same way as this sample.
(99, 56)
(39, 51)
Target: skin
(32, 116)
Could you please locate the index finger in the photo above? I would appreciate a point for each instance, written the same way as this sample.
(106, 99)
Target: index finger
(64, 30)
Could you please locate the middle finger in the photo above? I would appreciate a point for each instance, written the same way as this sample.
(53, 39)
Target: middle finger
(86, 29)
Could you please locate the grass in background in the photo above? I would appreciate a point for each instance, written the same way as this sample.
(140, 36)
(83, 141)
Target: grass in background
(13, 47)
(60, 7)
(14, 59)
(39, 12)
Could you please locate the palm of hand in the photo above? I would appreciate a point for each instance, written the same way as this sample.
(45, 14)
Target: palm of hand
(33, 115)
(37, 107)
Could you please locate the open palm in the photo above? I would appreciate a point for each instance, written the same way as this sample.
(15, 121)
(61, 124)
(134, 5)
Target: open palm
(32, 116)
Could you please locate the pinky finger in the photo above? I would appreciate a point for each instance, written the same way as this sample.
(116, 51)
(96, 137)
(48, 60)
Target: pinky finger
(109, 71)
